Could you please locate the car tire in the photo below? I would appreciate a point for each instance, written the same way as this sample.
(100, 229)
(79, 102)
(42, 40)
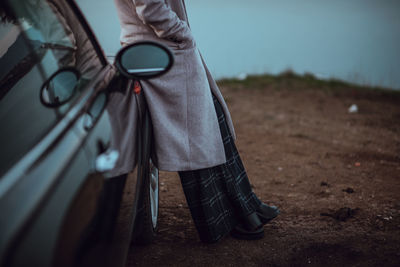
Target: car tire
(147, 218)
(146, 224)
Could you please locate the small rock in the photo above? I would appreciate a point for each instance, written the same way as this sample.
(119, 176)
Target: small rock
(348, 190)
(341, 214)
(181, 235)
(353, 108)
(325, 184)
(280, 168)
(242, 76)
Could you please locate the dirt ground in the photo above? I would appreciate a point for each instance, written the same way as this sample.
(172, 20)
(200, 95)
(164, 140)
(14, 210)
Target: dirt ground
(335, 176)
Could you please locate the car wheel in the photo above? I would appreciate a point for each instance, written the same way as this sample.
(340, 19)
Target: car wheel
(146, 220)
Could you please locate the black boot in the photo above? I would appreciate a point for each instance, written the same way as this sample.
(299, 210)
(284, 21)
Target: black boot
(249, 229)
(267, 213)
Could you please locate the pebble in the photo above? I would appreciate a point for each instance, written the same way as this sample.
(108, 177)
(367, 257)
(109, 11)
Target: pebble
(353, 108)
(324, 184)
(181, 235)
(348, 190)
(242, 76)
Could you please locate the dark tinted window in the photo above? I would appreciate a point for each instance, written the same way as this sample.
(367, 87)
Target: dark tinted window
(38, 39)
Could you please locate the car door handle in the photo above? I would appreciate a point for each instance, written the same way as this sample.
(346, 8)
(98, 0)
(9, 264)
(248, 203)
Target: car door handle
(107, 157)
(107, 160)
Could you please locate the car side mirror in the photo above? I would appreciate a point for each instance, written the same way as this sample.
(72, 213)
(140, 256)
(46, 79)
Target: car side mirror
(144, 60)
(60, 87)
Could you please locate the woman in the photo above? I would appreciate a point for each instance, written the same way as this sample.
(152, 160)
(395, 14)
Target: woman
(193, 130)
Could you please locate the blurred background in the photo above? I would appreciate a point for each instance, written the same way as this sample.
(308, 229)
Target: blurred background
(356, 41)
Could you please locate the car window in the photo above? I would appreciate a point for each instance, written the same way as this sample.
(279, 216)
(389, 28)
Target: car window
(46, 59)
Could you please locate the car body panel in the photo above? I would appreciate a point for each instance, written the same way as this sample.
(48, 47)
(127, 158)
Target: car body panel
(58, 208)
(60, 148)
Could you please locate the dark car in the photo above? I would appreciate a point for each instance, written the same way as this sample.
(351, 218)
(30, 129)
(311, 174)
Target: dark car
(59, 205)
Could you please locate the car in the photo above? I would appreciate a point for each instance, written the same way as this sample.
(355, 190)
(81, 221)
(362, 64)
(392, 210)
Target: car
(60, 203)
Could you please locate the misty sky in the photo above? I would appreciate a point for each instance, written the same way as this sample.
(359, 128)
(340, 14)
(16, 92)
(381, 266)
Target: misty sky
(355, 40)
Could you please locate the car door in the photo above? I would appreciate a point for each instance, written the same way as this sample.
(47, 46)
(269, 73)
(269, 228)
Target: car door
(53, 130)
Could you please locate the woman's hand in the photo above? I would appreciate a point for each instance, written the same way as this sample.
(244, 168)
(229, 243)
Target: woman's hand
(165, 23)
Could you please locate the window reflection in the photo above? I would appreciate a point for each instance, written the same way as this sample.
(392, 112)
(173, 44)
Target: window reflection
(37, 39)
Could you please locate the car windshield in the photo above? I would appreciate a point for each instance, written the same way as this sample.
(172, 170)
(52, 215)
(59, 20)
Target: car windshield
(38, 39)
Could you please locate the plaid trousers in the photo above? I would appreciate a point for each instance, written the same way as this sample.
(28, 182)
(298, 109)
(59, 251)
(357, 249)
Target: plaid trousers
(219, 197)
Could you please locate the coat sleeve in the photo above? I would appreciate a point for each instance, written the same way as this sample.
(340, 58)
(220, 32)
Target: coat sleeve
(164, 21)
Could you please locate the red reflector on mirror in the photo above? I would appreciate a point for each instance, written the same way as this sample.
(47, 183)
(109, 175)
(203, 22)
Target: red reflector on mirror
(136, 87)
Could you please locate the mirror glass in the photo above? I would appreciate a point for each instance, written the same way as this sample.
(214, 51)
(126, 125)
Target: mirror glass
(59, 88)
(144, 60)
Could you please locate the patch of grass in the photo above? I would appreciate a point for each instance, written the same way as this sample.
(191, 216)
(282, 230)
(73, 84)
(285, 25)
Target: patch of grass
(292, 81)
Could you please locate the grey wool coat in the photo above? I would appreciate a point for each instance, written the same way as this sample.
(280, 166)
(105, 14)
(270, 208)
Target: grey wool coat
(186, 131)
